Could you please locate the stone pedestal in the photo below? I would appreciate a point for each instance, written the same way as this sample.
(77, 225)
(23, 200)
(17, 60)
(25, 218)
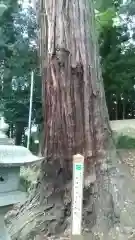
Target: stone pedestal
(3, 230)
(11, 159)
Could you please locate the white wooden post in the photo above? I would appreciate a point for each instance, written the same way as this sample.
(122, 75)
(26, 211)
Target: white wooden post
(30, 109)
(77, 197)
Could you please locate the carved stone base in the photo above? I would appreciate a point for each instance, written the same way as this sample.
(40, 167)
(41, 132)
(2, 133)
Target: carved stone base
(3, 230)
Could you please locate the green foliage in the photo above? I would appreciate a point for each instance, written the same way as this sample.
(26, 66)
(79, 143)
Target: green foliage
(18, 57)
(3, 8)
(117, 52)
(106, 12)
(125, 142)
(128, 8)
(103, 5)
(105, 18)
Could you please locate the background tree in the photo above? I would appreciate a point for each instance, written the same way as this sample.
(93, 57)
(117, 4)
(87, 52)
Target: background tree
(18, 48)
(117, 59)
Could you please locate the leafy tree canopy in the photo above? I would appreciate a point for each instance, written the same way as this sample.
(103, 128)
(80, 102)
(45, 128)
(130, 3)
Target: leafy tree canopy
(18, 57)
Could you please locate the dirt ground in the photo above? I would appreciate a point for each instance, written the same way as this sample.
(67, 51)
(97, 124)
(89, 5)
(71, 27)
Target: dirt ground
(119, 125)
(127, 128)
(127, 156)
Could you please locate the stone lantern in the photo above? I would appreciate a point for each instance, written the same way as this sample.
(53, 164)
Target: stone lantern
(11, 159)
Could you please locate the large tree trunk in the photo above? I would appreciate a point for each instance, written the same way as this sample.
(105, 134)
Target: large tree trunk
(75, 113)
(73, 92)
(76, 121)
(19, 133)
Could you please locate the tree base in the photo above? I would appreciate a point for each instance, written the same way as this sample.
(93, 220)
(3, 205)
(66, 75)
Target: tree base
(109, 211)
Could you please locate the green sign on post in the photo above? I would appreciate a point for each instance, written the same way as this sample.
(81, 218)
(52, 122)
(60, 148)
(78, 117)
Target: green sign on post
(78, 167)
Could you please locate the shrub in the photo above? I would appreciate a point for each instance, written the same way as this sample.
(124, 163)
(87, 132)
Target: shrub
(125, 142)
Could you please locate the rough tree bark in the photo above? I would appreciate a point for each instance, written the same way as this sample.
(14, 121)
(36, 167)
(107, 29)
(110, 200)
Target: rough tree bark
(75, 113)
(76, 121)
(73, 95)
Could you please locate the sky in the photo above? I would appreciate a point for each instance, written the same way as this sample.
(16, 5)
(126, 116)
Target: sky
(26, 3)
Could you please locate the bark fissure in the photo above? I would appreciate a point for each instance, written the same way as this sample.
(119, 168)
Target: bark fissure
(75, 118)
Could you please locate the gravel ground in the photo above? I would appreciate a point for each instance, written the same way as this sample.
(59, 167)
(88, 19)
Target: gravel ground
(128, 157)
(127, 128)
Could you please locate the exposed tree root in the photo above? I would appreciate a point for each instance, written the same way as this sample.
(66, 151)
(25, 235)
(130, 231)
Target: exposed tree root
(109, 211)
